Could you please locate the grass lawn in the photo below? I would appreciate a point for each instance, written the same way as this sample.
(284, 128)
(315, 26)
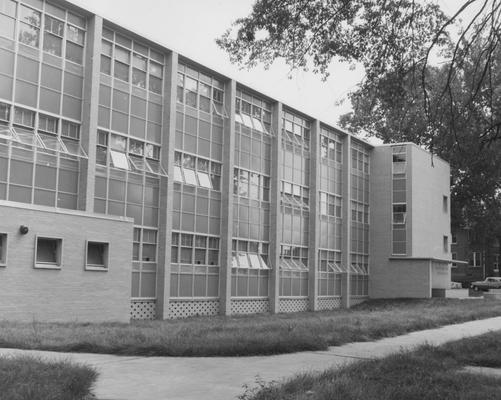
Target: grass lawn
(249, 335)
(26, 378)
(429, 373)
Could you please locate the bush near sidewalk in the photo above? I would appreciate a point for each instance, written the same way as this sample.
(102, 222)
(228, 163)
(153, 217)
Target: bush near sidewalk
(31, 378)
(428, 373)
(248, 335)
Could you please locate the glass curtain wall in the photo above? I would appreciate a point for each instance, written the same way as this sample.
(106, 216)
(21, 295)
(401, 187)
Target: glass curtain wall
(330, 217)
(359, 268)
(129, 140)
(41, 85)
(294, 205)
(251, 196)
(200, 120)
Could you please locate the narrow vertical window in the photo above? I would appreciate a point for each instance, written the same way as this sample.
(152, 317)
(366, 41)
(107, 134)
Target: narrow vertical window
(3, 249)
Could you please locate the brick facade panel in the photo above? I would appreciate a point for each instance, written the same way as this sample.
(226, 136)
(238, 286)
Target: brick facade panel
(71, 293)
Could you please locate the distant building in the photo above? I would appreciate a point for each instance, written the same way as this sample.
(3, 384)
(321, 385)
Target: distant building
(137, 183)
(472, 261)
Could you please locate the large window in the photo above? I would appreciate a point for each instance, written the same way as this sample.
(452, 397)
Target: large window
(29, 26)
(131, 61)
(7, 18)
(198, 90)
(329, 272)
(253, 112)
(293, 271)
(194, 265)
(251, 185)
(40, 159)
(296, 129)
(197, 171)
(249, 273)
(144, 265)
(63, 32)
(125, 153)
(48, 252)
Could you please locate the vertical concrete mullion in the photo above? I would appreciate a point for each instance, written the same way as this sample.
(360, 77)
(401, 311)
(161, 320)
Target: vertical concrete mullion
(227, 200)
(88, 134)
(346, 237)
(314, 226)
(166, 186)
(275, 214)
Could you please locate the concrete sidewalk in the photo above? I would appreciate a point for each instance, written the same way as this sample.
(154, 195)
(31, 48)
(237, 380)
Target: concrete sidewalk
(222, 378)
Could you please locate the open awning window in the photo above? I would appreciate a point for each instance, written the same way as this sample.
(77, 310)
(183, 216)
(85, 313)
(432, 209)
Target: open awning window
(135, 163)
(119, 160)
(248, 261)
(356, 269)
(288, 264)
(52, 143)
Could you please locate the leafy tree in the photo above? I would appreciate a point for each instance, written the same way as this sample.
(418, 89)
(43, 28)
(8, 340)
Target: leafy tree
(453, 110)
(389, 38)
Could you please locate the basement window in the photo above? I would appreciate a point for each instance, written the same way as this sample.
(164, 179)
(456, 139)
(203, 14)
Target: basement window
(97, 256)
(48, 253)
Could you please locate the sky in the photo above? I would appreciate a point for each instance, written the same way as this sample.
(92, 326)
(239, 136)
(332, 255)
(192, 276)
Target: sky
(190, 28)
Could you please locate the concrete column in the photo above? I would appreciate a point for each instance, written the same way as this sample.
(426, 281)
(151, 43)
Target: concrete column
(346, 237)
(275, 214)
(314, 227)
(227, 200)
(88, 132)
(166, 186)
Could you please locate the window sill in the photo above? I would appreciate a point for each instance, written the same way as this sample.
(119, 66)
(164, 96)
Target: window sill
(96, 268)
(48, 266)
(3, 265)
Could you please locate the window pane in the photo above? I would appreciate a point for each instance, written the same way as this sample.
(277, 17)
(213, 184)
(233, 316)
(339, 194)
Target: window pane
(190, 177)
(122, 55)
(74, 53)
(121, 71)
(8, 7)
(106, 65)
(75, 35)
(155, 70)
(155, 84)
(52, 44)
(7, 25)
(28, 35)
(139, 78)
(29, 16)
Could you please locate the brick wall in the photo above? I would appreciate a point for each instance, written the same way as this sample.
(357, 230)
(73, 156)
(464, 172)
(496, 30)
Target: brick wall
(401, 278)
(70, 293)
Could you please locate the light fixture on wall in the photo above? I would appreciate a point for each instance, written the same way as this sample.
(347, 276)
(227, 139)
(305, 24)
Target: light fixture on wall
(23, 230)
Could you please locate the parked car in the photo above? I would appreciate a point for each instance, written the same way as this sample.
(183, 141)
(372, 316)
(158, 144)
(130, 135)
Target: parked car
(491, 282)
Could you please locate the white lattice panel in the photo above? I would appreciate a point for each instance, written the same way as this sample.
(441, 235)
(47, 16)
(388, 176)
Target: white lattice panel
(251, 306)
(185, 309)
(143, 309)
(358, 300)
(330, 303)
(294, 305)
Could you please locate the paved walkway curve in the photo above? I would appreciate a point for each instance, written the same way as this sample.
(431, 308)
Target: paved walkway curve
(222, 378)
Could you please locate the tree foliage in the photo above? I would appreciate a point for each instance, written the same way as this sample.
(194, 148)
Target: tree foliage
(452, 108)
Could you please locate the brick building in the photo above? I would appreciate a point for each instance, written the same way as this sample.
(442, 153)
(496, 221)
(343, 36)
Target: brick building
(137, 183)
